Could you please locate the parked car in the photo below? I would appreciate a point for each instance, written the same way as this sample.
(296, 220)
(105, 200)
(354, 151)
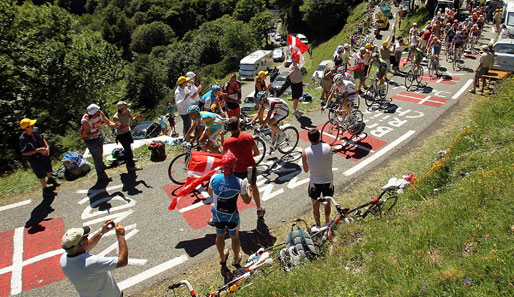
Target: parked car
(504, 55)
(404, 6)
(283, 41)
(278, 37)
(278, 55)
(302, 38)
(386, 10)
(146, 130)
(280, 84)
(250, 103)
(318, 72)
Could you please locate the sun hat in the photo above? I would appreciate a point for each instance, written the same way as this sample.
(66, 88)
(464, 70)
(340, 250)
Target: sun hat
(385, 43)
(190, 74)
(25, 123)
(73, 236)
(262, 74)
(92, 109)
(122, 104)
(182, 79)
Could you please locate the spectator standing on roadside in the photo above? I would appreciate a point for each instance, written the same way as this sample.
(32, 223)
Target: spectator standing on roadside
(317, 158)
(326, 79)
(91, 132)
(486, 62)
(232, 96)
(358, 68)
(91, 274)
(295, 75)
(338, 54)
(397, 52)
(260, 82)
(194, 91)
(497, 18)
(346, 56)
(225, 189)
(34, 146)
(243, 146)
(183, 101)
(171, 118)
(385, 53)
(123, 135)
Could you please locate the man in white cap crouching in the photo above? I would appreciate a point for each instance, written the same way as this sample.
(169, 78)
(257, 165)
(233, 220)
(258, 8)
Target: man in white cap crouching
(91, 274)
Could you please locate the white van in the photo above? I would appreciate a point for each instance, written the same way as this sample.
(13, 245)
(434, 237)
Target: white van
(509, 15)
(250, 65)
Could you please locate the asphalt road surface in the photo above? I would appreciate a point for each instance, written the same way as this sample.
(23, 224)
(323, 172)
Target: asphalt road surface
(162, 242)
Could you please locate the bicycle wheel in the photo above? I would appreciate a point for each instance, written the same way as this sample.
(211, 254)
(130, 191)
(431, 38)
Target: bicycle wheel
(262, 150)
(386, 204)
(455, 62)
(330, 133)
(409, 79)
(419, 74)
(382, 92)
(177, 171)
(290, 140)
(370, 95)
(430, 68)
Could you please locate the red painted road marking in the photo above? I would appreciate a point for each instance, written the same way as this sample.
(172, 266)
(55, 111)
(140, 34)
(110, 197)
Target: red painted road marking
(198, 215)
(37, 269)
(441, 80)
(354, 149)
(420, 99)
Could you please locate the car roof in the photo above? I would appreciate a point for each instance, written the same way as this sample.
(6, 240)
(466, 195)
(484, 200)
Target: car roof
(283, 74)
(144, 125)
(507, 41)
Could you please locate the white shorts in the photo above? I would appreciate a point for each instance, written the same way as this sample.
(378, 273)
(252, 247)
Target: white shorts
(280, 114)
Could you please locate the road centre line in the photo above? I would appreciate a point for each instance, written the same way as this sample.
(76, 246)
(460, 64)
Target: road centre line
(378, 154)
(134, 280)
(17, 204)
(463, 89)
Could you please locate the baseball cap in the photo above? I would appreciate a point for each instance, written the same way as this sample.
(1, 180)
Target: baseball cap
(92, 109)
(485, 47)
(262, 73)
(414, 24)
(182, 79)
(122, 104)
(73, 236)
(25, 123)
(190, 74)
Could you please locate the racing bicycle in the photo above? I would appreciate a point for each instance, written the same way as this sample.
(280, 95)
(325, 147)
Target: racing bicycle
(377, 90)
(352, 123)
(286, 141)
(415, 74)
(334, 105)
(177, 170)
(433, 66)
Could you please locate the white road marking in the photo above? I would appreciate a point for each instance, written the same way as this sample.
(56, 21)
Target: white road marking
(134, 280)
(97, 191)
(17, 261)
(17, 204)
(114, 246)
(115, 217)
(207, 201)
(137, 261)
(378, 154)
(463, 89)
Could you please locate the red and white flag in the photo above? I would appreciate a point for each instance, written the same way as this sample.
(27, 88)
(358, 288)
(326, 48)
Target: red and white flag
(296, 45)
(201, 167)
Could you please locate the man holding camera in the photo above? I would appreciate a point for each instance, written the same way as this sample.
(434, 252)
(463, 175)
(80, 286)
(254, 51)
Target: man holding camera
(91, 274)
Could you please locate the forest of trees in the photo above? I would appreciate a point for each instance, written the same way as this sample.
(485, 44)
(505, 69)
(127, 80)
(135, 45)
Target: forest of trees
(57, 57)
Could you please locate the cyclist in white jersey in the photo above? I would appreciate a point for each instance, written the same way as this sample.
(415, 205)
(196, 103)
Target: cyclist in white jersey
(277, 111)
(346, 89)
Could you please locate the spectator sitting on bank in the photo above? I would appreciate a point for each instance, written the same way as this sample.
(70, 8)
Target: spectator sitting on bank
(34, 146)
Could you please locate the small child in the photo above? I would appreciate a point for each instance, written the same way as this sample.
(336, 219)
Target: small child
(163, 125)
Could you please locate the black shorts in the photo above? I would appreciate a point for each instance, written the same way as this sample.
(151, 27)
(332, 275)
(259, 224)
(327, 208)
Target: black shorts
(41, 166)
(318, 189)
(297, 90)
(241, 175)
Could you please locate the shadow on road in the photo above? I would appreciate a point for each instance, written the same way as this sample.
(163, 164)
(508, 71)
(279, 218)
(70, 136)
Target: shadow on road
(129, 183)
(305, 123)
(251, 240)
(39, 214)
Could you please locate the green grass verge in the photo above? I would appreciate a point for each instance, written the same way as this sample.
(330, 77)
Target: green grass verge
(421, 17)
(451, 234)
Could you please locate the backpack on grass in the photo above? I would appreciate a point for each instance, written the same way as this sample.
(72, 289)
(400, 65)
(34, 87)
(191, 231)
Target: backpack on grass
(299, 248)
(158, 149)
(75, 165)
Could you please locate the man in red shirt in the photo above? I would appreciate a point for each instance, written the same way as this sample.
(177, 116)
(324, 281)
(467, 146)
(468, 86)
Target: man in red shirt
(243, 146)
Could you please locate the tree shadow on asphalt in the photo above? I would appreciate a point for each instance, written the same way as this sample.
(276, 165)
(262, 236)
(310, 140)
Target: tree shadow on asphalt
(251, 240)
(40, 213)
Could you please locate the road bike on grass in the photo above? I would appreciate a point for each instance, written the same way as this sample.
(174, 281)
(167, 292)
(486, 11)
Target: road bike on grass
(415, 74)
(332, 129)
(240, 279)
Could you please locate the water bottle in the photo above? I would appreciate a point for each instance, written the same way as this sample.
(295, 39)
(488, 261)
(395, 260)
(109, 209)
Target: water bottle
(252, 175)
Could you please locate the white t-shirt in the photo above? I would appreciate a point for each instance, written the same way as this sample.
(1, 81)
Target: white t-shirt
(91, 274)
(193, 89)
(319, 159)
(182, 104)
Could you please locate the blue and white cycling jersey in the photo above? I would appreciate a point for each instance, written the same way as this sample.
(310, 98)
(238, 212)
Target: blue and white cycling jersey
(208, 99)
(225, 191)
